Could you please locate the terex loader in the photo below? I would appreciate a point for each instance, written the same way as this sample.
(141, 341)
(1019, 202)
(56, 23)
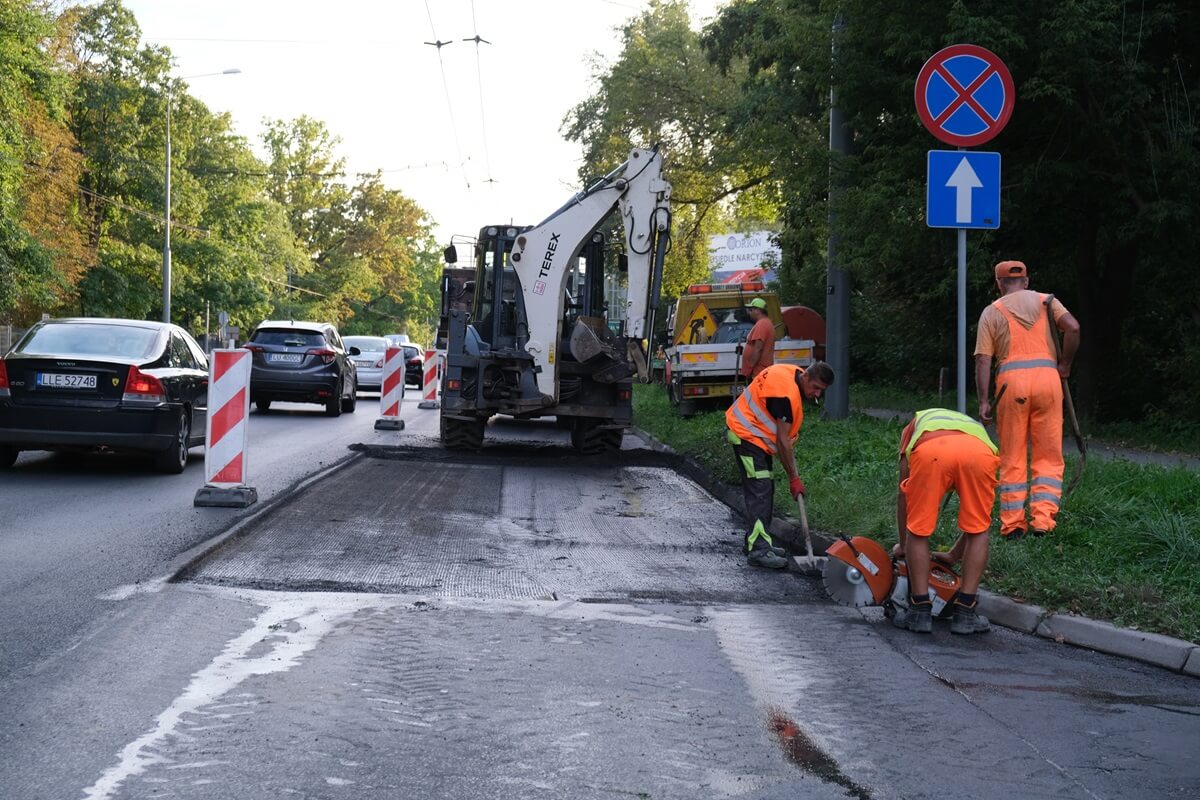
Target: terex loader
(531, 335)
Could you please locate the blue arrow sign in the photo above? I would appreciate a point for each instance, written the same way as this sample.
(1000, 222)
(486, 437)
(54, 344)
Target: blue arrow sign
(963, 189)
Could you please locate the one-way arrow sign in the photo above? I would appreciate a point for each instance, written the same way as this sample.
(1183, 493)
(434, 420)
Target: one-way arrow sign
(963, 189)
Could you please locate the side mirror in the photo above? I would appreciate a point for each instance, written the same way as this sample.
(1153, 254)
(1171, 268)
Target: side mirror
(354, 351)
(450, 254)
(622, 263)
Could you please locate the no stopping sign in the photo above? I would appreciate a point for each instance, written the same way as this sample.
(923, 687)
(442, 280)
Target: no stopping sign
(964, 95)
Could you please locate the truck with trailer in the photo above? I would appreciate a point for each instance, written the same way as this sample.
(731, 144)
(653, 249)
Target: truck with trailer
(706, 333)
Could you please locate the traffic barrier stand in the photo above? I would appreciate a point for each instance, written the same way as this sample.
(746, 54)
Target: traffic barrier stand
(393, 391)
(225, 432)
(433, 372)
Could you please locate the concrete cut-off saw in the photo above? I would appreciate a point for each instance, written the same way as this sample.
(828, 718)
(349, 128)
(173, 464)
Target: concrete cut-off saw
(860, 572)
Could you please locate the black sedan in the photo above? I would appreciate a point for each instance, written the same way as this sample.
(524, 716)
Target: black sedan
(116, 384)
(414, 365)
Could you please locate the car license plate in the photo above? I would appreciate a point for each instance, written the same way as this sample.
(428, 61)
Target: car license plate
(59, 380)
(286, 358)
(364, 363)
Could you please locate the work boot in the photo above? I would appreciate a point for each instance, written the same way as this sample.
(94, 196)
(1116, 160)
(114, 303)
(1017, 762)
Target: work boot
(779, 551)
(967, 620)
(1014, 535)
(766, 557)
(918, 619)
(1038, 532)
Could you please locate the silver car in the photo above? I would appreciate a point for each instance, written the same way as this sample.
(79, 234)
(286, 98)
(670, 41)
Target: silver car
(372, 350)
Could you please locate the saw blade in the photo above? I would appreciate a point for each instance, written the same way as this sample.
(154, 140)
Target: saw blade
(846, 585)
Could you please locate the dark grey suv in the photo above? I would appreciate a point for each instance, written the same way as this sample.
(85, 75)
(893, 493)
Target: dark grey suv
(302, 362)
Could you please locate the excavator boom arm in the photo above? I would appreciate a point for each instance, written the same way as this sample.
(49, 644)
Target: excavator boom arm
(545, 254)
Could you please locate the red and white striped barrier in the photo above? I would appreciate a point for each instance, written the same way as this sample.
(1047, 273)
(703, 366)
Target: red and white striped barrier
(225, 432)
(430, 385)
(393, 391)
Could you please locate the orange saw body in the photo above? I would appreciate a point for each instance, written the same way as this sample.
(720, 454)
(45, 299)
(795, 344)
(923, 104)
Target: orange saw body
(860, 572)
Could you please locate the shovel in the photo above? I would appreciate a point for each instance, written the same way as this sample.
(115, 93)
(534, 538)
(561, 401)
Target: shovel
(807, 564)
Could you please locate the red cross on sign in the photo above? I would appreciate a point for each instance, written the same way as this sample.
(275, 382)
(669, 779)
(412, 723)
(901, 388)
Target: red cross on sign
(964, 95)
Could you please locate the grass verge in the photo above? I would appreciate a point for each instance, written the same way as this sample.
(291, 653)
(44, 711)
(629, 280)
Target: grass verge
(1127, 546)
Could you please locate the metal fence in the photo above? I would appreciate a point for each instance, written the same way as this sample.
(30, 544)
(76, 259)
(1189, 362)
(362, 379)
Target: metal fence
(9, 336)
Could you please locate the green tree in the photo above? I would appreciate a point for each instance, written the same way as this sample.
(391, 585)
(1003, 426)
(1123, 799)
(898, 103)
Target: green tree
(111, 111)
(1098, 157)
(663, 89)
(34, 148)
(370, 261)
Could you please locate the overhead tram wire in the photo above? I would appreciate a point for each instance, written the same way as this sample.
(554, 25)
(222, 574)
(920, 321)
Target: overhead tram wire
(477, 39)
(439, 44)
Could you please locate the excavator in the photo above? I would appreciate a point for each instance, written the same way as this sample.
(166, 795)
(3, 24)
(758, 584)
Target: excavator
(532, 335)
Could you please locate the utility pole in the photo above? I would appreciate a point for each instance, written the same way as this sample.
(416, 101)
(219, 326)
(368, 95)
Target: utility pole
(837, 282)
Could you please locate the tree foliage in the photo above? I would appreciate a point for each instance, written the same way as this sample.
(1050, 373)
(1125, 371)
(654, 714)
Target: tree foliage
(35, 147)
(662, 89)
(1099, 157)
(84, 111)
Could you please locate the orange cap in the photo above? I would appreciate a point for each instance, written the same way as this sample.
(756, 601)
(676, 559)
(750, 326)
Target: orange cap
(1011, 269)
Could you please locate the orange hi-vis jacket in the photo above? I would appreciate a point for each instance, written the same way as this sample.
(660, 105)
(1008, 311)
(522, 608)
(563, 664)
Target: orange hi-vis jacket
(1029, 424)
(748, 418)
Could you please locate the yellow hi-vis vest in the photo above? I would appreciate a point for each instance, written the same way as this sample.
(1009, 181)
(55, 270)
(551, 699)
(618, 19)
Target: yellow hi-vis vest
(943, 419)
(748, 417)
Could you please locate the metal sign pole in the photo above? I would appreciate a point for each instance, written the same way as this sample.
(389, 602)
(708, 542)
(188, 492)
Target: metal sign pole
(964, 96)
(962, 320)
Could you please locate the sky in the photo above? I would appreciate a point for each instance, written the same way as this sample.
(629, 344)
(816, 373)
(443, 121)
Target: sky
(468, 157)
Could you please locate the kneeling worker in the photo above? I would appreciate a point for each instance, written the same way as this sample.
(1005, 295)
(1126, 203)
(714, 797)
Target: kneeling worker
(942, 450)
(765, 422)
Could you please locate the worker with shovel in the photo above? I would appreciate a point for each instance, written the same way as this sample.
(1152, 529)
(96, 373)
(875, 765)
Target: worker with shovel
(764, 422)
(942, 450)
(1016, 332)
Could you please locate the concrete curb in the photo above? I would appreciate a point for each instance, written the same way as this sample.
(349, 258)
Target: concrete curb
(1152, 648)
(1177, 655)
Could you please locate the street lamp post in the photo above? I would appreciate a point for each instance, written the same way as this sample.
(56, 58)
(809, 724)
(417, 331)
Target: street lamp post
(166, 267)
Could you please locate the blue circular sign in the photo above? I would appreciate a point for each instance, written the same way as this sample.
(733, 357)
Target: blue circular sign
(964, 95)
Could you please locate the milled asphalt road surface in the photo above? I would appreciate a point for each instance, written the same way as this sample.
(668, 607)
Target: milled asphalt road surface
(549, 626)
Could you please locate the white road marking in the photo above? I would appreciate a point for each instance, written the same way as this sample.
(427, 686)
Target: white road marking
(290, 626)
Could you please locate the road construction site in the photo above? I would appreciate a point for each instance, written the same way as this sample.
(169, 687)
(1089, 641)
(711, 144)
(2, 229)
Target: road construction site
(522, 622)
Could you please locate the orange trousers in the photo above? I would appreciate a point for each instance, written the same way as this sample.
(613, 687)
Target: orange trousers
(958, 461)
(1029, 423)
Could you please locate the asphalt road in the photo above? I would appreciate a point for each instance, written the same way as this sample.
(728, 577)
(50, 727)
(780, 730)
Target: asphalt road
(528, 624)
(76, 529)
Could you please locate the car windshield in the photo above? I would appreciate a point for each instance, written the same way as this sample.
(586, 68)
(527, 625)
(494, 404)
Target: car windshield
(367, 344)
(91, 339)
(288, 338)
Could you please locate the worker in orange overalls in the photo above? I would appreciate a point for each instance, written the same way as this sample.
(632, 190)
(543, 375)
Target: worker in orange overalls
(764, 422)
(942, 450)
(1015, 332)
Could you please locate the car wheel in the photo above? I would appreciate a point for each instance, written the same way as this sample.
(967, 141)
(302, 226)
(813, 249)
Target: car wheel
(350, 402)
(333, 406)
(173, 460)
(8, 456)
(263, 406)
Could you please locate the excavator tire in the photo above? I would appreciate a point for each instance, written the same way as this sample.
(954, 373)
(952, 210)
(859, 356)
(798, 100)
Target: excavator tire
(458, 434)
(590, 440)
